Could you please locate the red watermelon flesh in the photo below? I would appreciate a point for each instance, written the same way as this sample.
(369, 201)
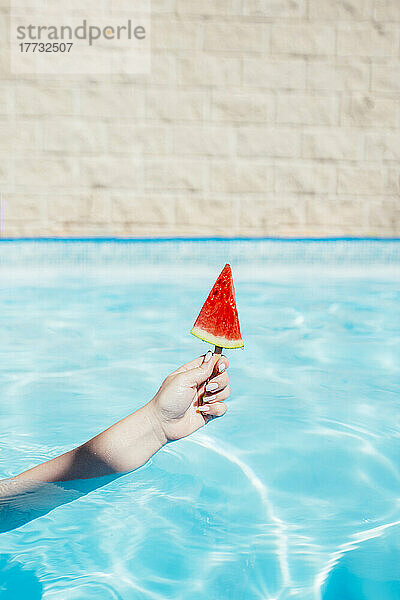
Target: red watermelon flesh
(218, 321)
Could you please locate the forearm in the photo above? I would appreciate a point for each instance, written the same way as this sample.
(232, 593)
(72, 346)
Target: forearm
(123, 447)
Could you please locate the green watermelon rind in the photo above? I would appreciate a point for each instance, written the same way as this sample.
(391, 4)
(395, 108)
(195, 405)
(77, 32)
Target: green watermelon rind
(223, 342)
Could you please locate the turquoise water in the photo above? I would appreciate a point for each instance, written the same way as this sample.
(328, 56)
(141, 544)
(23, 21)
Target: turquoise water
(295, 493)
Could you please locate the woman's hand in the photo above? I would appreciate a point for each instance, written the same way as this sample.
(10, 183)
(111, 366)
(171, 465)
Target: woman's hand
(176, 404)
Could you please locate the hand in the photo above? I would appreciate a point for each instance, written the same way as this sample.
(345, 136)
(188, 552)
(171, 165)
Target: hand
(176, 404)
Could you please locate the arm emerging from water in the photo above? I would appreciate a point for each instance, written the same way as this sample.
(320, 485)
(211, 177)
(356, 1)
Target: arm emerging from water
(173, 413)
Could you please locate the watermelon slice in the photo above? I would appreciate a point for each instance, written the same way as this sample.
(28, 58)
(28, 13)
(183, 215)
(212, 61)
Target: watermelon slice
(218, 321)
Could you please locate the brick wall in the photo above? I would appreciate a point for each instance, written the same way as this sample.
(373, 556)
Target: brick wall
(260, 117)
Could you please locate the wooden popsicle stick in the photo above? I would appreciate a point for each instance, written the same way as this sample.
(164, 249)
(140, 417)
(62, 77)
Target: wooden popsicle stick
(216, 354)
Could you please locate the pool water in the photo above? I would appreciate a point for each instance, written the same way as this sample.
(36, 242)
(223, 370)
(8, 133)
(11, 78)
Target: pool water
(295, 493)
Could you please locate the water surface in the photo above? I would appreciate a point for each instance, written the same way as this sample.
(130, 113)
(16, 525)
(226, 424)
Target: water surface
(295, 493)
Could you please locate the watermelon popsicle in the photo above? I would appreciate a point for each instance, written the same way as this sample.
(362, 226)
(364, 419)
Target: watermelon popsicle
(218, 320)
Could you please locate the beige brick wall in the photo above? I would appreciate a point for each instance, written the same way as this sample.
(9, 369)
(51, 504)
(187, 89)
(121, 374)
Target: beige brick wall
(260, 117)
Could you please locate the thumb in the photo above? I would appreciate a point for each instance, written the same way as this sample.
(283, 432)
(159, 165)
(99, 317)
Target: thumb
(200, 374)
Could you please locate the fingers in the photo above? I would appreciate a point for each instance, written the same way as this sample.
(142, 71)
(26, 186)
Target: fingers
(200, 374)
(217, 389)
(217, 383)
(213, 410)
(218, 396)
(199, 361)
(221, 365)
(190, 365)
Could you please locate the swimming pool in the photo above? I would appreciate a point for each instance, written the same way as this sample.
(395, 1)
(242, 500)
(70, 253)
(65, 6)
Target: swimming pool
(295, 493)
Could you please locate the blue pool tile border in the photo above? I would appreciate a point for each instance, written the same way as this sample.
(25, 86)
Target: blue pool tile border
(259, 253)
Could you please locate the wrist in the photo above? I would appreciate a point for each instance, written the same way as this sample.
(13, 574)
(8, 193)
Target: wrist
(156, 422)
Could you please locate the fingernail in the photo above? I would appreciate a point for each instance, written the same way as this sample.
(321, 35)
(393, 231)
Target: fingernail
(211, 386)
(211, 398)
(204, 408)
(208, 356)
(221, 367)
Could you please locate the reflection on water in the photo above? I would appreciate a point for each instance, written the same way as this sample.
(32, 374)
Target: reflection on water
(294, 494)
